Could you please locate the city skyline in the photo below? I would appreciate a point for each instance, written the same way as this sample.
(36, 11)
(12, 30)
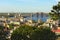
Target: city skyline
(27, 5)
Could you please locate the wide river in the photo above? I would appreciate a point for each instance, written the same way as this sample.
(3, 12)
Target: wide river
(43, 18)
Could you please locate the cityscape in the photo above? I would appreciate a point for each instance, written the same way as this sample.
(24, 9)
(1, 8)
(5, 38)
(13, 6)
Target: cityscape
(30, 21)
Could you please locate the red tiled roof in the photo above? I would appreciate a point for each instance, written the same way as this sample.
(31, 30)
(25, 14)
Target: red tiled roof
(58, 30)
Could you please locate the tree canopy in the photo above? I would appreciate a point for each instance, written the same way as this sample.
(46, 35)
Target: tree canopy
(33, 33)
(55, 12)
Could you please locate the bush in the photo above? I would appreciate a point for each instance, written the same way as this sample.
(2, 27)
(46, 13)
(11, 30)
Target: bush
(3, 33)
(22, 33)
(43, 34)
(1, 27)
(33, 33)
(11, 26)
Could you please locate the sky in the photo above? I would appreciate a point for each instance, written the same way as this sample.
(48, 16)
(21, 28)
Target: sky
(27, 5)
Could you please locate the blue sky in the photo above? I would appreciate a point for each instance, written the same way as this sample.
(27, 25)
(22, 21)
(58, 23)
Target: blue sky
(26, 5)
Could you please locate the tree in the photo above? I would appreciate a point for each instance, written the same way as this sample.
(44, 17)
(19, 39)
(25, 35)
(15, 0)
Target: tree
(55, 12)
(43, 34)
(22, 33)
(3, 34)
(11, 26)
(32, 33)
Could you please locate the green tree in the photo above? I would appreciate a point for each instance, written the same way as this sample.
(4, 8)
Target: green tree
(43, 34)
(3, 34)
(22, 32)
(11, 26)
(55, 12)
(32, 33)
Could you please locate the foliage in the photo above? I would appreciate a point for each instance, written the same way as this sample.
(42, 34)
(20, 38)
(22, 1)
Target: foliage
(21, 33)
(33, 33)
(3, 33)
(1, 27)
(34, 21)
(55, 12)
(11, 26)
(43, 34)
(40, 23)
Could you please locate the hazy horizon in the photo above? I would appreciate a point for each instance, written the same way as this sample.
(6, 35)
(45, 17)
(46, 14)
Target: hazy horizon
(27, 5)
